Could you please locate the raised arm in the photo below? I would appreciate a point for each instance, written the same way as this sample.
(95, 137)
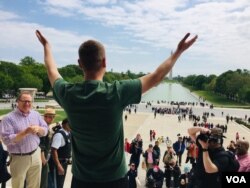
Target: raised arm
(50, 64)
(152, 79)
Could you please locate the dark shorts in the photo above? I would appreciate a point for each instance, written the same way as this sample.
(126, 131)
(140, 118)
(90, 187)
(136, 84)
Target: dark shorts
(121, 183)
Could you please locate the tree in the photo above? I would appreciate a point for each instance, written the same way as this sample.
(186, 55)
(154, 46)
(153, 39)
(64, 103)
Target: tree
(70, 71)
(27, 61)
(220, 86)
(211, 85)
(28, 80)
(233, 85)
(199, 82)
(189, 80)
(6, 82)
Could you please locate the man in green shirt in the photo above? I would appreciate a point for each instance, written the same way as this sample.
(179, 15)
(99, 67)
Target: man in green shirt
(94, 109)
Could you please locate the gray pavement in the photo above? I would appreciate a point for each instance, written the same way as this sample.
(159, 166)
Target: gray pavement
(168, 125)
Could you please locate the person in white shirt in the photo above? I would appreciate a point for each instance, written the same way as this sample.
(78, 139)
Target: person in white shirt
(61, 153)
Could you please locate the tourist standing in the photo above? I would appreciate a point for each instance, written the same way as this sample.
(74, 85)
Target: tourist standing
(20, 130)
(4, 174)
(179, 148)
(95, 110)
(132, 174)
(45, 142)
(61, 153)
(243, 156)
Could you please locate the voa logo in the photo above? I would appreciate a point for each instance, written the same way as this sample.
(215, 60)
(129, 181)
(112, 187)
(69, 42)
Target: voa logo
(236, 179)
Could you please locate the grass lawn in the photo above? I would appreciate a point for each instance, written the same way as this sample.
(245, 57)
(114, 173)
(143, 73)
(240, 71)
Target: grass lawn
(60, 114)
(5, 111)
(220, 101)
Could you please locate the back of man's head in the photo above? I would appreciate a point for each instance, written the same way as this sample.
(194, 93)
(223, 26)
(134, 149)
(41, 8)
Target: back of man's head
(91, 54)
(242, 147)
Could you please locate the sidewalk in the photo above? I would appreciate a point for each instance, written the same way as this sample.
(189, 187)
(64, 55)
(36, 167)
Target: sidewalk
(166, 125)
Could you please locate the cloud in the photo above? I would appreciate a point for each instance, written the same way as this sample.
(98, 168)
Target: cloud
(4, 16)
(18, 40)
(151, 27)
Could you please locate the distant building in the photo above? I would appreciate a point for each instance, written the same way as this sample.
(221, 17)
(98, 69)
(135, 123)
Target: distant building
(32, 91)
(170, 75)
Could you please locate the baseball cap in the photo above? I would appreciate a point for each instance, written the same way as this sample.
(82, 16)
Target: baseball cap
(216, 132)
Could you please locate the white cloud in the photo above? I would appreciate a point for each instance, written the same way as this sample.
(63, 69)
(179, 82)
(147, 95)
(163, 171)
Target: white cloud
(69, 4)
(101, 2)
(19, 36)
(223, 27)
(4, 15)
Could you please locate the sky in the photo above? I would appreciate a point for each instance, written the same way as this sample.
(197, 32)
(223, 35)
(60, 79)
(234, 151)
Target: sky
(138, 35)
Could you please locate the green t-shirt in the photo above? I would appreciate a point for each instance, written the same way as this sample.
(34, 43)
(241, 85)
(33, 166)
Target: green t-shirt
(94, 109)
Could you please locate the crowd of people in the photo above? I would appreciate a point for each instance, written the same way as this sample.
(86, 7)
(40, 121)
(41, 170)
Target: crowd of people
(93, 132)
(152, 157)
(55, 152)
(200, 168)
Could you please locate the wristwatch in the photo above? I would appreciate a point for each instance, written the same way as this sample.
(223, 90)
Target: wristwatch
(204, 149)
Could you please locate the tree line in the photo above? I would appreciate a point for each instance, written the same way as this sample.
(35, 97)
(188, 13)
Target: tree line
(234, 85)
(31, 74)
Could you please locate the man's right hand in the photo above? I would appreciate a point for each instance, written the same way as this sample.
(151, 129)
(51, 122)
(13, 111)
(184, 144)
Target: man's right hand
(41, 38)
(183, 44)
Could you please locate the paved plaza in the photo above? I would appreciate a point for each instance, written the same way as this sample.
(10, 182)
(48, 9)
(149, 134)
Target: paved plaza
(167, 125)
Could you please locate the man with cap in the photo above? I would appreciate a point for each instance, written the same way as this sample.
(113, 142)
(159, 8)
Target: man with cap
(49, 116)
(209, 162)
(243, 155)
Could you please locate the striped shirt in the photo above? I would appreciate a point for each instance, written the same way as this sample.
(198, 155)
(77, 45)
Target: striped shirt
(15, 122)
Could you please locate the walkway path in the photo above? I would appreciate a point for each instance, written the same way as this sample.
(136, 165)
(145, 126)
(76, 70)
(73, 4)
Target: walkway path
(166, 125)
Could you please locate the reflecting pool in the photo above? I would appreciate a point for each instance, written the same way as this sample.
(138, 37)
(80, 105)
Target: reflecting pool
(170, 92)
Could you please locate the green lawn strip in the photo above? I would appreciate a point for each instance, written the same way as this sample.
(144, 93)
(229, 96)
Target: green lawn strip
(60, 114)
(220, 101)
(4, 111)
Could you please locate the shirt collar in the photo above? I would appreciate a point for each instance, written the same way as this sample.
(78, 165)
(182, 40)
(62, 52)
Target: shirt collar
(22, 113)
(242, 156)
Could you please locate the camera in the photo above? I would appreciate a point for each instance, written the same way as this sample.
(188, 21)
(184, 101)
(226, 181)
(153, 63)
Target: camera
(210, 138)
(203, 137)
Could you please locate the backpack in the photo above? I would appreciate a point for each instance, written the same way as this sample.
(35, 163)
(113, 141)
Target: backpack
(234, 164)
(65, 137)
